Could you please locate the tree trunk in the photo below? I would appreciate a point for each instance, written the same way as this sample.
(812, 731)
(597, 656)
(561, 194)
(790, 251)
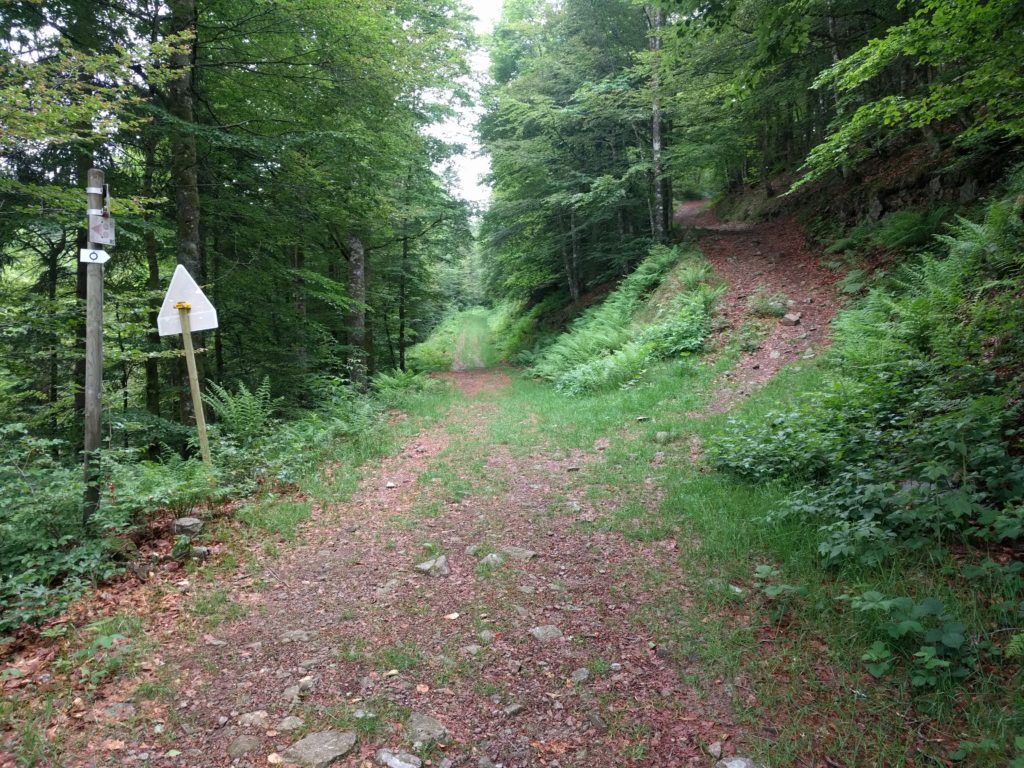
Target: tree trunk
(656, 16)
(402, 298)
(152, 284)
(184, 165)
(357, 315)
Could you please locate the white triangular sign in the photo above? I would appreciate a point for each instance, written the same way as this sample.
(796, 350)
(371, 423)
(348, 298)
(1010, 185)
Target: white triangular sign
(201, 316)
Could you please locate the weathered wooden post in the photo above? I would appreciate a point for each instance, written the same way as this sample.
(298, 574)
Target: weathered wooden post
(101, 232)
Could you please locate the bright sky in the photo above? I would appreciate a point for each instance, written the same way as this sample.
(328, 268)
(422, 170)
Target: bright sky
(472, 165)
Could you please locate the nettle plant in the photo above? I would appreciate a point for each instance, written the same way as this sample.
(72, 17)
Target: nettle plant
(923, 634)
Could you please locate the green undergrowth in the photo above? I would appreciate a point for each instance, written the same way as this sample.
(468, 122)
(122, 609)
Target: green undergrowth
(49, 554)
(615, 343)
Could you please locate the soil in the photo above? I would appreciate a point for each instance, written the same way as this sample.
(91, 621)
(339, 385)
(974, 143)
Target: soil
(774, 259)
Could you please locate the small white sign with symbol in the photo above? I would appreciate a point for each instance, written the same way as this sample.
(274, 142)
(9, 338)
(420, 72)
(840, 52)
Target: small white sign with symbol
(184, 290)
(93, 256)
(101, 229)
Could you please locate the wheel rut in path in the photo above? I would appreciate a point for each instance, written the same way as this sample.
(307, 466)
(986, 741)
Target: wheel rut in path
(347, 609)
(774, 258)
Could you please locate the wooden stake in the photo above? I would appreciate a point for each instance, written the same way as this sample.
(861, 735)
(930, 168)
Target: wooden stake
(93, 361)
(193, 381)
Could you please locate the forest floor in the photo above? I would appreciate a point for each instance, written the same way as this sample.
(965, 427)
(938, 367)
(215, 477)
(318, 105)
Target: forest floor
(566, 625)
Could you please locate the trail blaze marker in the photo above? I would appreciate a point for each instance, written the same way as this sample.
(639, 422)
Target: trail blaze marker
(186, 309)
(93, 256)
(101, 228)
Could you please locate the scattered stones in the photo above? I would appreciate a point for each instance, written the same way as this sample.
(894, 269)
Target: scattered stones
(362, 714)
(306, 684)
(662, 437)
(292, 694)
(424, 729)
(295, 636)
(188, 526)
(519, 553)
(243, 745)
(792, 318)
(493, 560)
(774, 354)
(290, 723)
(201, 553)
(391, 484)
(470, 650)
(581, 675)
(715, 749)
(319, 750)
(546, 633)
(391, 759)
(515, 667)
(472, 549)
(616, 667)
(438, 566)
(388, 588)
(485, 762)
(487, 636)
(257, 719)
(643, 418)
(738, 762)
(513, 709)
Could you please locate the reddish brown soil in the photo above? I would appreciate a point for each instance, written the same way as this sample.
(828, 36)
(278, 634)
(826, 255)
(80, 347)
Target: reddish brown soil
(773, 257)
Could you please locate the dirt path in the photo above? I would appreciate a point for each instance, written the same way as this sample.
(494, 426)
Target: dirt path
(768, 259)
(344, 613)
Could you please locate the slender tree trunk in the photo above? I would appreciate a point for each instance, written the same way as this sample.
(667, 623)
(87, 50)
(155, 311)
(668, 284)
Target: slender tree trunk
(357, 315)
(661, 204)
(299, 264)
(402, 298)
(152, 284)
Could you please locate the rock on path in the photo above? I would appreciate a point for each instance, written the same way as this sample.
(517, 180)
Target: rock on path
(319, 750)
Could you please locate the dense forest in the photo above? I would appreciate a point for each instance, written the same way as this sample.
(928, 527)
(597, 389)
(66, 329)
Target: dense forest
(286, 154)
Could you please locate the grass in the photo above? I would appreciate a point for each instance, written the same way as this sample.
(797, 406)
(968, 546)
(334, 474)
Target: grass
(276, 516)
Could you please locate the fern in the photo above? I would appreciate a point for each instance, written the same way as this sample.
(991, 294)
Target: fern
(245, 414)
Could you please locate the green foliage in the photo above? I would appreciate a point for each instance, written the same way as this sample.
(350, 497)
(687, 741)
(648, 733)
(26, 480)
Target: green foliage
(245, 414)
(900, 230)
(914, 442)
(763, 304)
(611, 345)
(973, 79)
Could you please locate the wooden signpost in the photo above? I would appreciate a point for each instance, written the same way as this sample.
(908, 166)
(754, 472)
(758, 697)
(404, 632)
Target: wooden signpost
(101, 232)
(186, 309)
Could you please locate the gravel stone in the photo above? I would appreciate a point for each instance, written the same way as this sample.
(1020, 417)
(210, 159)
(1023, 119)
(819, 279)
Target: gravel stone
(188, 526)
(397, 759)
(546, 633)
(243, 745)
(425, 729)
(319, 750)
